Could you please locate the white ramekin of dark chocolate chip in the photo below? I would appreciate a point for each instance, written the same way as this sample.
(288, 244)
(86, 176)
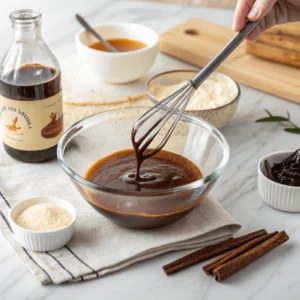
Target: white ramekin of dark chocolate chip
(279, 180)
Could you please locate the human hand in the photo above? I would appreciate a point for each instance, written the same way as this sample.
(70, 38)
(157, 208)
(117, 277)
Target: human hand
(270, 12)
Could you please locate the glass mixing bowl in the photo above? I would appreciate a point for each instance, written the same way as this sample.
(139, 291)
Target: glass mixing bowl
(99, 135)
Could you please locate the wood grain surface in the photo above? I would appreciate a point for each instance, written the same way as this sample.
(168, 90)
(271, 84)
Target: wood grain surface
(197, 41)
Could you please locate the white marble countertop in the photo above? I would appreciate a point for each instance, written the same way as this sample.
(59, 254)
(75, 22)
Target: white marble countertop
(273, 277)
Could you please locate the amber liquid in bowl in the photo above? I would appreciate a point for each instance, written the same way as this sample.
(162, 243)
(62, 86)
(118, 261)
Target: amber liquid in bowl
(163, 171)
(122, 45)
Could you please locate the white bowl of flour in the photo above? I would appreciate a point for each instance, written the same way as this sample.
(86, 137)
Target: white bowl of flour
(42, 223)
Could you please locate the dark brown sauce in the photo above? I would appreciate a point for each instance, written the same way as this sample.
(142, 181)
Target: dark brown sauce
(122, 45)
(34, 82)
(163, 171)
(287, 172)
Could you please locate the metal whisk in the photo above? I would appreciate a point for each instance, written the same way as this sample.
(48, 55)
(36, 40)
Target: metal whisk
(177, 101)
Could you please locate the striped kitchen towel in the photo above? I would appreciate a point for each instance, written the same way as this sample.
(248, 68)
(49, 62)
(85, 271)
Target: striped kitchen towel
(98, 246)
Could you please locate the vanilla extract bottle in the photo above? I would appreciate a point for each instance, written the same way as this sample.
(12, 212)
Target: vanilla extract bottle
(30, 93)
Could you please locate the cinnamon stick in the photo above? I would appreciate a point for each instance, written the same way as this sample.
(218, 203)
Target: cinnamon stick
(226, 270)
(210, 267)
(210, 252)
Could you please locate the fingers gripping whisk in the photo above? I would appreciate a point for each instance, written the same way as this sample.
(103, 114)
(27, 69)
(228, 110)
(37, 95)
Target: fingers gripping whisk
(174, 104)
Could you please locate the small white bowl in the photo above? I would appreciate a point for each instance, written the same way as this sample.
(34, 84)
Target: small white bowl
(42, 240)
(279, 196)
(118, 67)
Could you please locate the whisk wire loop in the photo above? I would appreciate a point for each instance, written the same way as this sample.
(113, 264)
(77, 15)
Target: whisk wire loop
(156, 108)
(179, 100)
(171, 129)
(170, 109)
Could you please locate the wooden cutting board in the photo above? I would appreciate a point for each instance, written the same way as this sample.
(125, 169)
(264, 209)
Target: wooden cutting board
(197, 42)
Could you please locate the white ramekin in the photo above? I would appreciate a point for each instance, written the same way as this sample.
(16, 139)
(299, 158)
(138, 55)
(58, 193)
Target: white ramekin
(42, 240)
(118, 67)
(279, 196)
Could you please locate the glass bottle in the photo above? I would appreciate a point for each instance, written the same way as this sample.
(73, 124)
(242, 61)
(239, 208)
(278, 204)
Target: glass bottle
(30, 93)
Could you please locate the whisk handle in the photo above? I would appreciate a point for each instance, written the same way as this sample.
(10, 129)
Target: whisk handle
(223, 54)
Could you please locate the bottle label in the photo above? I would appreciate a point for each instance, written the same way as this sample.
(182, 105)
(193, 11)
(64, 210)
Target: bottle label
(31, 125)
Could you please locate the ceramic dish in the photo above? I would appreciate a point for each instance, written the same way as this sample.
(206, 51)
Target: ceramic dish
(218, 117)
(279, 196)
(118, 67)
(42, 240)
(99, 135)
